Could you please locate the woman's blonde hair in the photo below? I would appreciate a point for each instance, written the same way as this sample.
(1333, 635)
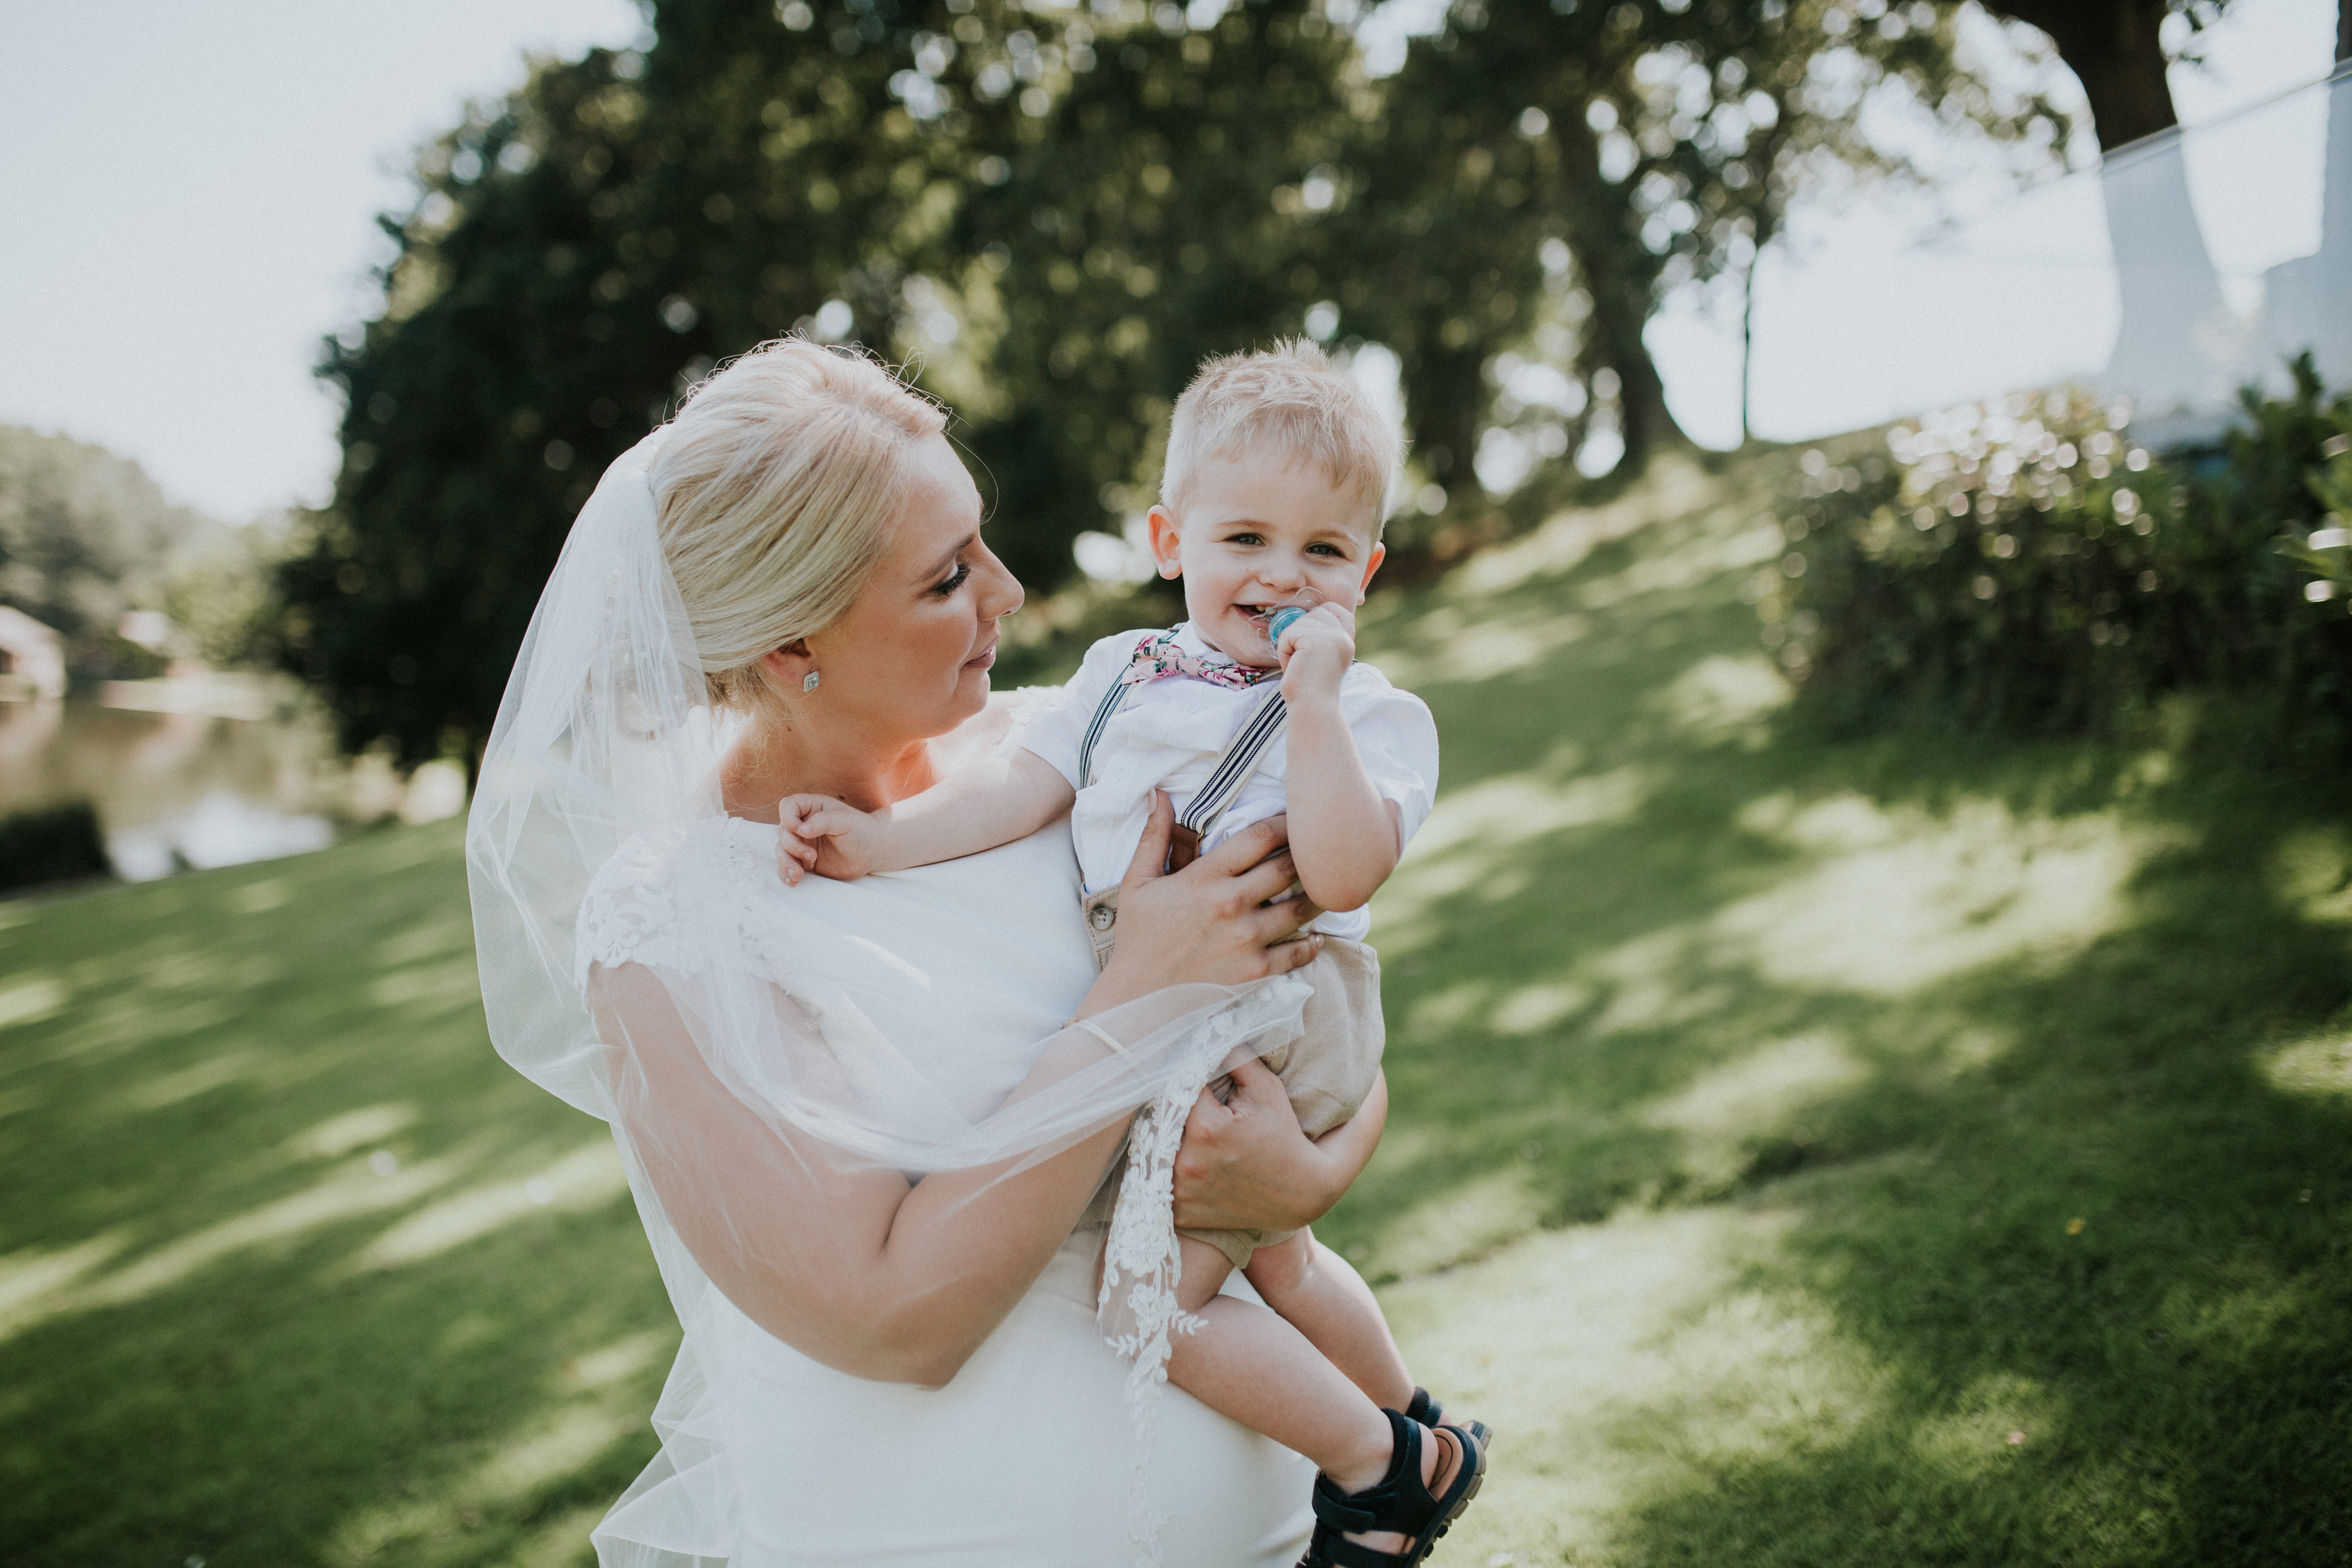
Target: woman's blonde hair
(773, 489)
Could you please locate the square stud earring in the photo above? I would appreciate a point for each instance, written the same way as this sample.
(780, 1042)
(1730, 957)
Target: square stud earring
(808, 681)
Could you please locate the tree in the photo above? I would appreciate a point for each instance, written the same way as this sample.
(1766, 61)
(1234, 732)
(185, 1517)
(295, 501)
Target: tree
(85, 535)
(1660, 141)
(2170, 292)
(1053, 215)
(577, 255)
(2116, 50)
(1178, 199)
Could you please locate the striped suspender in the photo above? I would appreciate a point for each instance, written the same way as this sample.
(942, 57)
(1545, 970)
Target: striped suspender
(1242, 753)
(1241, 758)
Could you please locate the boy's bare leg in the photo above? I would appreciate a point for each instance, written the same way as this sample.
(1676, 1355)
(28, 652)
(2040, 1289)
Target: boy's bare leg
(1315, 1290)
(1245, 1363)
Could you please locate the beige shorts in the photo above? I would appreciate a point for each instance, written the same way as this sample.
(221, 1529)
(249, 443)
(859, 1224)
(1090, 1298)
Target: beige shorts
(1327, 1071)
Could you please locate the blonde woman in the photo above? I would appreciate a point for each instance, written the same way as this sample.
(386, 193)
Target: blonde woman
(861, 1120)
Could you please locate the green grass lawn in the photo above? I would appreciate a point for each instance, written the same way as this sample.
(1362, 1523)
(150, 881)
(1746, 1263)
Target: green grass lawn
(1931, 1151)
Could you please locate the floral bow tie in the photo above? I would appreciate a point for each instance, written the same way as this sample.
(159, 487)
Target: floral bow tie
(1157, 658)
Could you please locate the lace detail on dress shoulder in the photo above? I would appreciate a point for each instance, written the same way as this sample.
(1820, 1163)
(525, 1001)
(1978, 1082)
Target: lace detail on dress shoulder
(630, 914)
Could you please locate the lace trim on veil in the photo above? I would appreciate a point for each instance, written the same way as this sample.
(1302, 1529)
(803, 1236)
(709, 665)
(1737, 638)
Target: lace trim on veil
(1137, 1307)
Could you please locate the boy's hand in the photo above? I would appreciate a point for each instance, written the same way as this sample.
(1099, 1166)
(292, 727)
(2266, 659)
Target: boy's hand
(1316, 652)
(817, 833)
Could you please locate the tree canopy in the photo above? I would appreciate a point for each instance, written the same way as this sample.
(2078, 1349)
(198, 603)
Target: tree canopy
(1052, 215)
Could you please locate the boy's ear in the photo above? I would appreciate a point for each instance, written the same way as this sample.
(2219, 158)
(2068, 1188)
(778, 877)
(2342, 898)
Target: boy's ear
(1380, 552)
(1165, 548)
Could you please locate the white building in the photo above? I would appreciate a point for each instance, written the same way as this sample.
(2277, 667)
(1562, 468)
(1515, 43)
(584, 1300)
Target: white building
(32, 657)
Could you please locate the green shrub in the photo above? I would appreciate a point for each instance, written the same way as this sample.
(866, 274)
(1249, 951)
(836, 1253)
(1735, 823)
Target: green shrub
(2023, 564)
(51, 845)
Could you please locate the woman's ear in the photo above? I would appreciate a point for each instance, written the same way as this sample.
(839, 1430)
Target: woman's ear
(1167, 550)
(789, 667)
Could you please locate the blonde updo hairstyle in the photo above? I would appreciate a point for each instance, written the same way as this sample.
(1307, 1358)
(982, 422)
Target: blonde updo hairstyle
(773, 490)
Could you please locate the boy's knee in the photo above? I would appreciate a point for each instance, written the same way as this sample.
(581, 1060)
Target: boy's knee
(1201, 1270)
(1283, 1267)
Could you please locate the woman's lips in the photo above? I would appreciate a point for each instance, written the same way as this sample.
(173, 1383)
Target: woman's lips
(986, 657)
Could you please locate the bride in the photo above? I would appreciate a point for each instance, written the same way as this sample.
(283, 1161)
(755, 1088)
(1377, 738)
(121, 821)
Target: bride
(861, 1120)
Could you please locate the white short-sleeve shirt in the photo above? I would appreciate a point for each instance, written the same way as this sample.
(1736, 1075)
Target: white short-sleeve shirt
(1170, 733)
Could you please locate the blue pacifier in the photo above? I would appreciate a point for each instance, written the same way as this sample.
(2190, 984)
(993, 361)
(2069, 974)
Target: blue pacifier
(1288, 613)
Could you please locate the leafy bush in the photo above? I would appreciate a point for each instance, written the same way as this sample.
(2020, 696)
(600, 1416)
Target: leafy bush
(51, 845)
(2023, 564)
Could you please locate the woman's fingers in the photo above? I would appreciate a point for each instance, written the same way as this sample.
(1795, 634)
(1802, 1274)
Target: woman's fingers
(1243, 849)
(1268, 880)
(1151, 854)
(1255, 1081)
(1296, 953)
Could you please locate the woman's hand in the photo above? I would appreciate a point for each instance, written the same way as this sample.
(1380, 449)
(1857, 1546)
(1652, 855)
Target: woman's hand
(1211, 921)
(1245, 1165)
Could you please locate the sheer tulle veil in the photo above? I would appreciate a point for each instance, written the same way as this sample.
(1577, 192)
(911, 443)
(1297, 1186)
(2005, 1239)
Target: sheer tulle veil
(596, 845)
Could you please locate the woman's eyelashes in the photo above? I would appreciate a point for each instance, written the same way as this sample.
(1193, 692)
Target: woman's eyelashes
(955, 579)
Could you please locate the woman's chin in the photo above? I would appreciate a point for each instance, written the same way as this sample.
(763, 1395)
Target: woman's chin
(971, 693)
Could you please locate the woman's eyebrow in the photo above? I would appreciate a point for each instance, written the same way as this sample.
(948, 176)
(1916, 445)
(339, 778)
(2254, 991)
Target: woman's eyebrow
(948, 560)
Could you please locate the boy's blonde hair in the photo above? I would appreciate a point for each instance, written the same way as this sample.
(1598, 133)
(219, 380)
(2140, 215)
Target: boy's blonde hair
(774, 490)
(1290, 399)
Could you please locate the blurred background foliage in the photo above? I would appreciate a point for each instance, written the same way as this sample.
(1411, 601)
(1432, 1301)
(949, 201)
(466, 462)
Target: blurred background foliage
(1054, 215)
(2024, 564)
(86, 538)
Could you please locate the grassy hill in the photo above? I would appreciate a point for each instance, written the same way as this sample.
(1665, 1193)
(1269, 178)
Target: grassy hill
(1927, 1151)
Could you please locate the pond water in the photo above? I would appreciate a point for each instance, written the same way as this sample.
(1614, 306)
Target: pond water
(175, 790)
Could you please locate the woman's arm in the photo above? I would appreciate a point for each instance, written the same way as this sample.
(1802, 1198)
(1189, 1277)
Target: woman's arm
(839, 1257)
(846, 1260)
(1245, 1165)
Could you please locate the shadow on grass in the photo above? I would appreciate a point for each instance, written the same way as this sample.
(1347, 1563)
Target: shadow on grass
(2001, 1038)
(294, 1270)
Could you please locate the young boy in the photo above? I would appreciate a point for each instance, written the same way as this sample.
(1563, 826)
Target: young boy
(1276, 483)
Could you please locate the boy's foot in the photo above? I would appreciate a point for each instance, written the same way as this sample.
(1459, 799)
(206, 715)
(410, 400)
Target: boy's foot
(1425, 1409)
(1432, 1475)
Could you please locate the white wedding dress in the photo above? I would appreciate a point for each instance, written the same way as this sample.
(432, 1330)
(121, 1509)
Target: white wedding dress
(1026, 1459)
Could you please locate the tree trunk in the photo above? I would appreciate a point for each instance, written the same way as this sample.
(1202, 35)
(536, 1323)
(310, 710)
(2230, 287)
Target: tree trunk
(1641, 407)
(2114, 48)
(1445, 399)
(1612, 338)
(2343, 30)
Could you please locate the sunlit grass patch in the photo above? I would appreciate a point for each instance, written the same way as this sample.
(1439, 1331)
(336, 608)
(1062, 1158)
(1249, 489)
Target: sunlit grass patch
(292, 1268)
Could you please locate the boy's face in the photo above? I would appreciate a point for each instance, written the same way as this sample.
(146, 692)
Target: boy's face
(1256, 528)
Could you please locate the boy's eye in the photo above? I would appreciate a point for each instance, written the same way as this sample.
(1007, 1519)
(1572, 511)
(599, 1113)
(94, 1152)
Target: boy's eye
(955, 580)
(1331, 550)
(1244, 539)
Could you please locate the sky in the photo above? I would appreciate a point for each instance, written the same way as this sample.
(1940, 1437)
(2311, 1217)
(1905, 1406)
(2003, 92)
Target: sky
(190, 191)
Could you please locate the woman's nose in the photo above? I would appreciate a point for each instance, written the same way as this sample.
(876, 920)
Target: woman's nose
(1001, 593)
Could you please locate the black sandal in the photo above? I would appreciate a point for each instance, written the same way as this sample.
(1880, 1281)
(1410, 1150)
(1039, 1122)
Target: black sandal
(1431, 1413)
(1401, 1502)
